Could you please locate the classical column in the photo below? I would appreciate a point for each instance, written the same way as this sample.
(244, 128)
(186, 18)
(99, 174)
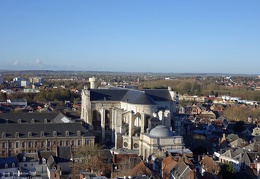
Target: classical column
(131, 129)
(142, 122)
(103, 123)
(113, 118)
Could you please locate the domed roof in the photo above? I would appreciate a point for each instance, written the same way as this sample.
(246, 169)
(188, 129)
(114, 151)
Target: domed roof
(161, 131)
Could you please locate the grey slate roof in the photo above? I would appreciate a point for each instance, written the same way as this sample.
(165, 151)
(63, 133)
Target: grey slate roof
(30, 157)
(107, 94)
(64, 152)
(138, 97)
(159, 94)
(147, 96)
(9, 161)
(29, 117)
(46, 154)
(48, 128)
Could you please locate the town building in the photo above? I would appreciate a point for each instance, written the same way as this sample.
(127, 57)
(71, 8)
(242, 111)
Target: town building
(122, 116)
(33, 132)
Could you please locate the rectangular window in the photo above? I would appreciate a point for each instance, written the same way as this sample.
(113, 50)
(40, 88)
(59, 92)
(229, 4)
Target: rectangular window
(3, 145)
(48, 144)
(88, 142)
(23, 144)
(16, 144)
(29, 144)
(42, 144)
(60, 143)
(79, 142)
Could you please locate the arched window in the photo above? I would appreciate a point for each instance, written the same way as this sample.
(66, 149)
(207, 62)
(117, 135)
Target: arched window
(6, 165)
(17, 134)
(67, 133)
(78, 133)
(42, 133)
(3, 135)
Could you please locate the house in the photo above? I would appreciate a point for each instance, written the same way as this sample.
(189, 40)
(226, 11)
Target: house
(140, 170)
(9, 167)
(183, 169)
(237, 157)
(28, 162)
(53, 169)
(208, 165)
(168, 164)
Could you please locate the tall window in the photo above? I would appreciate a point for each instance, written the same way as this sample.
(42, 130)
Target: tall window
(42, 144)
(17, 145)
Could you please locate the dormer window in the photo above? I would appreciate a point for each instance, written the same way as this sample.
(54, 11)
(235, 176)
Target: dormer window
(45, 120)
(42, 133)
(33, 121)
(6, 165)
(3, 135)
(13, 165)
(54, 133)
(17, 134)
(78, 133)
(29, 134)
(67, 133)
(19, 121)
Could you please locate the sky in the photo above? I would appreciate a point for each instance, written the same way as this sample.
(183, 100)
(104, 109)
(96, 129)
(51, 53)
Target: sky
(166, 36)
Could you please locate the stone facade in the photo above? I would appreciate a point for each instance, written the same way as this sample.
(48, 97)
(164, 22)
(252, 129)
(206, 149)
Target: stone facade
(121, 116)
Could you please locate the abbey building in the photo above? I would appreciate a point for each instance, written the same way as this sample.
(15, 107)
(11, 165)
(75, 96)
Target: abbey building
(128, 118)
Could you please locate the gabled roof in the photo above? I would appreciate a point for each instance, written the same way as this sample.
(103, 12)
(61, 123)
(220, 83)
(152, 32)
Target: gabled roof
(168, 164)
(209, 163)
(181, 170)
(139, 170)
